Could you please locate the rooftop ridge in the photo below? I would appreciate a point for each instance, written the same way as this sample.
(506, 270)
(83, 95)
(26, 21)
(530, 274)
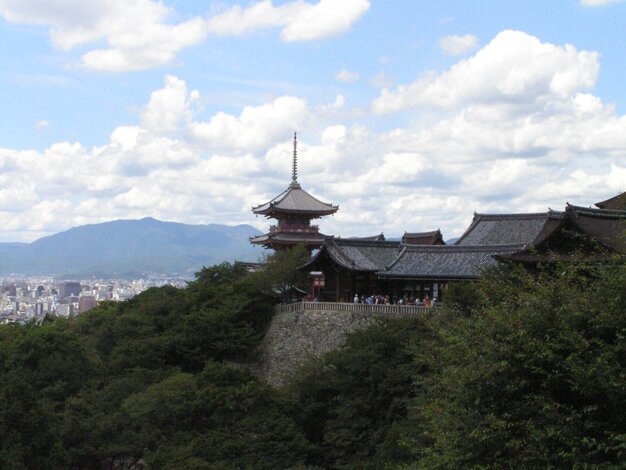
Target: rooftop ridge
(513, 215)
(422, 234)
(464, 248)
(593, 212)
(361, 242)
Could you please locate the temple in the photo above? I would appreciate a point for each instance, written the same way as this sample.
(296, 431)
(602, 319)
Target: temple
(421, 264)
(293, 209)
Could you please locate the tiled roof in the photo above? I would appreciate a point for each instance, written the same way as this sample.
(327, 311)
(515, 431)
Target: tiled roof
(360, 255)
(506, 229)
(445, 261)
(615, 203)
(289, 238)
(295, 200)
(606, 226)
(423, 238)
(373, 238)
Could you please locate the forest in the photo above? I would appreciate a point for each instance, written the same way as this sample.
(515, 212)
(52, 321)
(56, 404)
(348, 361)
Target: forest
(522, 369)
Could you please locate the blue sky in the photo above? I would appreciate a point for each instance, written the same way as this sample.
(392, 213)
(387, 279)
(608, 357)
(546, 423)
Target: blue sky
(412, 115)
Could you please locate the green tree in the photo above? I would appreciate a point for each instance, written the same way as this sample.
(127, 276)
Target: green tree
(351, 402)
(281, 273)
(533, 378)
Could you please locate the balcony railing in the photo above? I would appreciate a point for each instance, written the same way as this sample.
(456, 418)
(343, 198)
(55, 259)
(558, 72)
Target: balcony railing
(298, 228)
(379, 309)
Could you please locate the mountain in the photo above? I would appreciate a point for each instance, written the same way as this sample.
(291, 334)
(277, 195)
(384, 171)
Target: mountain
(129, 248)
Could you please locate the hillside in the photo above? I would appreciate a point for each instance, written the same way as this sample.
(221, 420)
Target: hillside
(128, 248)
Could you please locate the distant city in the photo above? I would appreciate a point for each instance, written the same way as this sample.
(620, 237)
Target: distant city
(33, 298)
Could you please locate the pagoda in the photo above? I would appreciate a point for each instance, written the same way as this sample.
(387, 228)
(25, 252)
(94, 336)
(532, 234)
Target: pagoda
(294, 209)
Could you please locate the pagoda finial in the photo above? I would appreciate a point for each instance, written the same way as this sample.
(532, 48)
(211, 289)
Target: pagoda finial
(294, 171)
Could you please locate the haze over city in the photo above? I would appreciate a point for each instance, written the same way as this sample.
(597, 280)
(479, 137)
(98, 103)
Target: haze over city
(411, 115)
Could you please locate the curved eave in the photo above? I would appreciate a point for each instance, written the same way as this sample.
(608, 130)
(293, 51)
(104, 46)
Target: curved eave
(438, 277)
(275, 210)
(335, 254)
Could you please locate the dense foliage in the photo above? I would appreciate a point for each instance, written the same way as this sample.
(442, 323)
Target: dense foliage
(524, 369)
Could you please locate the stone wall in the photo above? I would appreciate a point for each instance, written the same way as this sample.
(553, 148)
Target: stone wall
(294, 337)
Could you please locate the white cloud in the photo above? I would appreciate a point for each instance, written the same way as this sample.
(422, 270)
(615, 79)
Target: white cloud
(458, 45)
(255, 128)
(513, 68)
(534, 136)
(324, 19)
(598, 3)
(301, 21)
(42, 125)
(139, 34)
(347, 76)
(168, 106)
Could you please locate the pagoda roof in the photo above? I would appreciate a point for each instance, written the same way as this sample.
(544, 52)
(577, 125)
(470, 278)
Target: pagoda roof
(615, 203)
(295, 200)
(444, 262)
(289, 238)
(507, 229)
(358, 255)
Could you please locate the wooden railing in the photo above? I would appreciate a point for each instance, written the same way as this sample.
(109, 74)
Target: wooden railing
(380, 309)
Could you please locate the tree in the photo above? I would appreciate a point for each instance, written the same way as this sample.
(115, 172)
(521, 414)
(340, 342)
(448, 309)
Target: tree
(533, 377)
(350, 402)
(281, 272)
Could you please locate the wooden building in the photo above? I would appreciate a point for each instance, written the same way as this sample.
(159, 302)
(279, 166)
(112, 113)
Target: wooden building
(375, 266)
(293, 209)
(351, 266)
(581, 233)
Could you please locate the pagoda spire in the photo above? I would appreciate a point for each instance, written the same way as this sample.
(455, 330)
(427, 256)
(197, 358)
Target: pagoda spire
(294, 171)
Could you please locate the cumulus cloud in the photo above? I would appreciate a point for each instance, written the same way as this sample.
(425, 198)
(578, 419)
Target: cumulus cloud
(168, 106)
(256, 127)
(514, 67)
(140, 34)
(534, 137)
(458, 45)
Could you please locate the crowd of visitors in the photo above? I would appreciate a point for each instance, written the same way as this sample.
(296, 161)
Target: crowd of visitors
(407, 299)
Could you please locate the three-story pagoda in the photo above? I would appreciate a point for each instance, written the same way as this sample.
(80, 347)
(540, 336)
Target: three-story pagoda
(294, 209)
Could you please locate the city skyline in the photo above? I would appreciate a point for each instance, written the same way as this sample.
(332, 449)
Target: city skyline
(410, 115)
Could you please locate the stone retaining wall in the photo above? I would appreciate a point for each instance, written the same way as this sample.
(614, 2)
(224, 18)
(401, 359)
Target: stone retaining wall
(298, 333)
(295, 337)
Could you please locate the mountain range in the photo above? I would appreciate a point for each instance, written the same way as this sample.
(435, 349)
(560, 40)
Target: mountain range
(130, 248)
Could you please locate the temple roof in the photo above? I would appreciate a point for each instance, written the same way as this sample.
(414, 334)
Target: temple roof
(423, 238)
(374, 238)
(615, 203)
(289, 238)
(506, 229)
(444, 261)
(359, 255)
(297, 201)
(605, 227)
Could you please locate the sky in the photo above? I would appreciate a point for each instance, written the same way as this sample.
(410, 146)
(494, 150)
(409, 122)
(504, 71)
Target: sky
(411, 115)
